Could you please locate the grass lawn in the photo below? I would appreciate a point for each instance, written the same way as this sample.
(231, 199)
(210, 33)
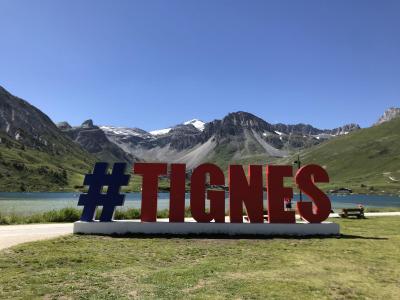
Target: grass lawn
(363, 263)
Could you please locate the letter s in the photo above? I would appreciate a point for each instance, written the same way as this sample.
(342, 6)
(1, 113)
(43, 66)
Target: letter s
(319, 209)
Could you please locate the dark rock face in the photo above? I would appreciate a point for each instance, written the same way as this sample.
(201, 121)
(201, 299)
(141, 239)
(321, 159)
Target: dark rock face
(235, 124)
(389, 114)
(302, 129)
(29, 126)
(180, 137)
(90, 139)
(88, 124)
(344, 129)
(42, 157)
(306, 129)
(280, 136)
(64, 125)
(93, 140)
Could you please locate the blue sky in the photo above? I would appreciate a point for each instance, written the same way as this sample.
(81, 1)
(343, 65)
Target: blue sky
(152, 64)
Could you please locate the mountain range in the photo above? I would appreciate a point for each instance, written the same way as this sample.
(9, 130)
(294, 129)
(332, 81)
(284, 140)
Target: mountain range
(237, 136)
(36, 154)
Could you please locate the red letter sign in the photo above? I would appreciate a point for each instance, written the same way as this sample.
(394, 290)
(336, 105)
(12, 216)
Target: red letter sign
(250, 193)
(197, 194)
(276, 194)
(177, 193)
(150, 173)
(305, 179)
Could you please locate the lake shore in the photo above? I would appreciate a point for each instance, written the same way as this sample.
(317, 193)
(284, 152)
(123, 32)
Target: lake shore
(33, 203)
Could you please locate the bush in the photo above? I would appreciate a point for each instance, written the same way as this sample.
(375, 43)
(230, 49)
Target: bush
(68, 214)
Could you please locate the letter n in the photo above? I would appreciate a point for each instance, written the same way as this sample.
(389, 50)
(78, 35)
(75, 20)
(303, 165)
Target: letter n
(249, 192)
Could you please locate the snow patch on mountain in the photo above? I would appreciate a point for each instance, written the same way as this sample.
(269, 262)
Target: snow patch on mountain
(125, 131)
(160, 131)
(323, 136)
(196, 123)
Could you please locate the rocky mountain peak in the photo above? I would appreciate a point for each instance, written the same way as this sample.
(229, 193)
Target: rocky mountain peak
(183, 129)
(300, 128)
(389, 114)
(94, 140)
(27, 124)
(2, 90)
(88, 124)
(345, 129)
(245, 119)
(64, 125)
(196, 123)
(235, 124)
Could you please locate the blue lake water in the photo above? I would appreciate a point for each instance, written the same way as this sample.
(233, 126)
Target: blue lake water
(28, 203)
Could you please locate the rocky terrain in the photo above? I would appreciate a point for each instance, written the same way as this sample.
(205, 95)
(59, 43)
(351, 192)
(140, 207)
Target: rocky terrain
(28, 125)
(389, 115)
(237, 136)
(34, 153)
(93, 140)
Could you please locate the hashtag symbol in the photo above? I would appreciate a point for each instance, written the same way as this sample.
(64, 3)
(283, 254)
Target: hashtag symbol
(109, 200)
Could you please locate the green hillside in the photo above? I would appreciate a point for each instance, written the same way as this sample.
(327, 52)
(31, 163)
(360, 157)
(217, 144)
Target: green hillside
(368, 160)
(24, 168)
(34, 153)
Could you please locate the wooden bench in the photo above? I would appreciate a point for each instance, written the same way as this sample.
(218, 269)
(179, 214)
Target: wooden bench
(352, 212)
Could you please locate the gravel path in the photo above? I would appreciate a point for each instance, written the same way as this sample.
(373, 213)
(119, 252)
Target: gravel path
(373, 214)
(11, 235)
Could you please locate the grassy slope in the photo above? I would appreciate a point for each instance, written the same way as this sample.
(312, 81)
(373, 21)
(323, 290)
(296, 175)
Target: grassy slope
(366, 157)
(28, 169)
(364, 263)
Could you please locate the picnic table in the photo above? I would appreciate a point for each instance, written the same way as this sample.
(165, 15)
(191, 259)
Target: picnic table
(352, 212)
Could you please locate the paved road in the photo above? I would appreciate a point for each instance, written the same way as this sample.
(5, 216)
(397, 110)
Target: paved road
(11, 235)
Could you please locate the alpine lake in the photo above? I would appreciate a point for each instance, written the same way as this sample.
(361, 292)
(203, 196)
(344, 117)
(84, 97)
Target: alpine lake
(30, 203)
